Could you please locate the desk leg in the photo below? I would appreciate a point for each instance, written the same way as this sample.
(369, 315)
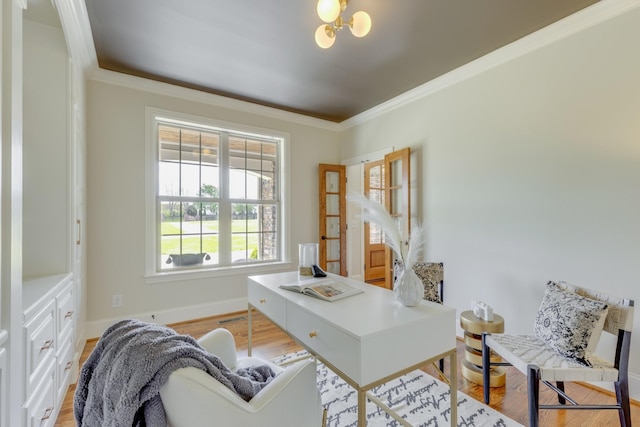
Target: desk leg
(453, 378)
(362, 408)
(250, 311)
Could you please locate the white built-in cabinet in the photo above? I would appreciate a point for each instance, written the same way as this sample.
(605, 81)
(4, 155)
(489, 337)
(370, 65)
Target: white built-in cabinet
(48, 346)
(52, 220)
(42, 211)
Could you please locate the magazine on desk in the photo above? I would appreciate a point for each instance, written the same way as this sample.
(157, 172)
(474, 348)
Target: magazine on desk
(324, 289)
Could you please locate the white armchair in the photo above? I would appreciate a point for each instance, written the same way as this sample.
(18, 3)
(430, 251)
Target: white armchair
(192, 397)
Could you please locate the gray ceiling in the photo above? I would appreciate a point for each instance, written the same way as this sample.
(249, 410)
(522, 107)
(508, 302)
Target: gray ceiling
(264, 51)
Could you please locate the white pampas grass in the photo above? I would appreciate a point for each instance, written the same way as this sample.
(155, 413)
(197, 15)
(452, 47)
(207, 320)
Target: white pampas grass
(374, 212)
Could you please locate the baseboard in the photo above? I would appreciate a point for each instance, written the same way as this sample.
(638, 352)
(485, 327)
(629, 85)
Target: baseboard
(94, 329)
(634, 388)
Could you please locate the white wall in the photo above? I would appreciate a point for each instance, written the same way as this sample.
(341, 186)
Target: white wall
(529, 172)
(116, 203)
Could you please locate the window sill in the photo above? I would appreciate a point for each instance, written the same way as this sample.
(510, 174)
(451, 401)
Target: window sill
(175, 276)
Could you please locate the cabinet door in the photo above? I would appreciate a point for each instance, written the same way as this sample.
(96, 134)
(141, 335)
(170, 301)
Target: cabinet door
(40, 408)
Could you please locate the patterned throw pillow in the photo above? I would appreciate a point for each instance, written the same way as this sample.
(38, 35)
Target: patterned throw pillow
(431, 274)
(567, 321)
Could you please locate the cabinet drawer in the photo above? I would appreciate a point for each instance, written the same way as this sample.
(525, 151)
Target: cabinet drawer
(64, 365)
(40, 344)
(40, 407)
(65, 311)
(268, 302)
(334, 345)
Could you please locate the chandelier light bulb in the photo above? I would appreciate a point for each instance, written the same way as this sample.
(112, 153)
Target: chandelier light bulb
(328, 10)
(325, 36)
(360, 24)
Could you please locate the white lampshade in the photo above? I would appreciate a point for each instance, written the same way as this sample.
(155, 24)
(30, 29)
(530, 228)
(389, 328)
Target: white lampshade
(323, 39)
(328, 10)
(360, 24)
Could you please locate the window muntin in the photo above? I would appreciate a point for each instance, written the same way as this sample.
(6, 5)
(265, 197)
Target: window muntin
(218, 197)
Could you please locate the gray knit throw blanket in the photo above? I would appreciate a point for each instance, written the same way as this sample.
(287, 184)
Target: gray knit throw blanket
(120, 382)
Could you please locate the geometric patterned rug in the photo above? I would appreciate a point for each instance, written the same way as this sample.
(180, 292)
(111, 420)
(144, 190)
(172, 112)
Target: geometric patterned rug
(417, 397)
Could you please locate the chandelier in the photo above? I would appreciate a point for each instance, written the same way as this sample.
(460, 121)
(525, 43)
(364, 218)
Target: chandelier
(329, 11)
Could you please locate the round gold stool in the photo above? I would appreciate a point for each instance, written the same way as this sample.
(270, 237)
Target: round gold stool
(472, 363)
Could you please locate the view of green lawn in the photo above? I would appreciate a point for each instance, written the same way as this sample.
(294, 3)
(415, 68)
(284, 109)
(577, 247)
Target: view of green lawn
(244, 236)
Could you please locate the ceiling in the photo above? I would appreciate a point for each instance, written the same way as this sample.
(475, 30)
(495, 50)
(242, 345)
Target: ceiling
(264, 51)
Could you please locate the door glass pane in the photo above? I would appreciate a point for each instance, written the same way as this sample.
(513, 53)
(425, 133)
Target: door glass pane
(333, 227)
(375, 177)
(375, 234)
(333, 182)
(396, 201)
(333, 249)
(333, 204)
(396, 173)
(333, 267)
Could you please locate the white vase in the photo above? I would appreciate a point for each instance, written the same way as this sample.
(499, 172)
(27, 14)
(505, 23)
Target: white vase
(408, 288)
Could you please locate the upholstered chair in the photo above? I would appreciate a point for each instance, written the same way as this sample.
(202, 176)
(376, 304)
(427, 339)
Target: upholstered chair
(191, 397)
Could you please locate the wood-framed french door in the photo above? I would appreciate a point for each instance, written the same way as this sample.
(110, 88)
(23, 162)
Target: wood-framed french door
(375, 254)
(332, 218)
(397, 200)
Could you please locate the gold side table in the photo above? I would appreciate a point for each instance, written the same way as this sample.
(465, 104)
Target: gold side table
(472, 363)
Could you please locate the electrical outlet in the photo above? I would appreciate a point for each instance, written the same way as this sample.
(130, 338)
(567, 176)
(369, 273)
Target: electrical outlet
(116, 300)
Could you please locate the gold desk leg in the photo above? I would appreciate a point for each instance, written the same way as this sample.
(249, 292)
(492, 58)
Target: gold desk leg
(362, 408)
(453, 378)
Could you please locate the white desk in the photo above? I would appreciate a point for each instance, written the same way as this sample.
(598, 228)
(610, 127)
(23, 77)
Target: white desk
(367, 339)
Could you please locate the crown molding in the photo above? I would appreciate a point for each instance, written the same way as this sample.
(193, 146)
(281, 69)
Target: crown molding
(167, 89)
(581, 20)
(75, 24)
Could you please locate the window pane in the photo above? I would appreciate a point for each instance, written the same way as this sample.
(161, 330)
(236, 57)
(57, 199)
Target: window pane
(268, 249)
(169, 179)
(244, 229)
(209, 166)
(190, 180)
(237, 184)
(268, 184)
(210, 182)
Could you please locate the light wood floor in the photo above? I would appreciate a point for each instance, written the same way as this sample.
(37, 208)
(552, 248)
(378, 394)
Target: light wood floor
(269, 341)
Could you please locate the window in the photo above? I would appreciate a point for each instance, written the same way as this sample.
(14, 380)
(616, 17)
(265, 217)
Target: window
(216, 195)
